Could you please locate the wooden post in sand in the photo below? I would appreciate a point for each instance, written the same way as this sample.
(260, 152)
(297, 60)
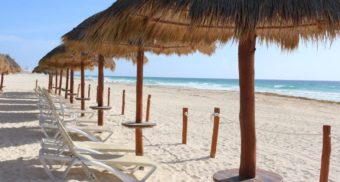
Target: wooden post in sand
(100, 89)
(66, 84)
(139, 102)
(56, 83)
(2, 81)
(72, 86)
(89, 91)
(185, 125)
(148, 108)
(50, 79)
(82, 85)
(78, 90)
(215, 132)
(108, 96)
(123, 103)
(36, 83)
(60, 81)
(97, 95)
(326, 153)
(246, 52)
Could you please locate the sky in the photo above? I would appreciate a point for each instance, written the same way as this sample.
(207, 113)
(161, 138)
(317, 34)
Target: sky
(30, 29)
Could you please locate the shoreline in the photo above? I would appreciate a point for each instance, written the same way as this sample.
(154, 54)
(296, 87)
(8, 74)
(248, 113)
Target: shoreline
(223, 91)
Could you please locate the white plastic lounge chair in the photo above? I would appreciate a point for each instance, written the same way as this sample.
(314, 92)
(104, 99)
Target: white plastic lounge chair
(111, 163)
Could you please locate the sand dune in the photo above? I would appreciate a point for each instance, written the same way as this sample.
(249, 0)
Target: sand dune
(289, 132)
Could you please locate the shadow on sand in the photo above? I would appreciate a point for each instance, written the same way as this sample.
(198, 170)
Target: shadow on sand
(13, 119)
(19, 136)
(31, 170)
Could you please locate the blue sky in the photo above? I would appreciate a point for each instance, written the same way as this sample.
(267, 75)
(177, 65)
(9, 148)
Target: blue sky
(29, 29)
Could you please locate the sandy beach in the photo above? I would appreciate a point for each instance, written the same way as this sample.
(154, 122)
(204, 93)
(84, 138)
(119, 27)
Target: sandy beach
(289, 132)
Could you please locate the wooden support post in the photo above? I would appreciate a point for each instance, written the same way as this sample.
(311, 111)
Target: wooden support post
(82, 85)
(2, 77)
(108, 96)
(139, 102)
(56, 83)
(148, 108)
(185, 125)
(2, 81)
(36, 83)
(247, 107)
(50, 82)
(60, 81)
(100, 89)
(97, 95)
(50, 79)
(72, 86)
(326, 153)
(89, 91)
(123, 103)
(78, 90)
(1, 84)
(66, 84)
(215, 132)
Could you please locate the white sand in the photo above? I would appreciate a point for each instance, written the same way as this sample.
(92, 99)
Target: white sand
(281, 121)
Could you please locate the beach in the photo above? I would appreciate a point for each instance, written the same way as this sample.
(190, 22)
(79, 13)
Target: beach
(289, 131)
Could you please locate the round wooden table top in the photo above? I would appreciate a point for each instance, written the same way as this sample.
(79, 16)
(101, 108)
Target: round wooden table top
(231, 175)
(133, 124)
(101, 107)
(79, 98)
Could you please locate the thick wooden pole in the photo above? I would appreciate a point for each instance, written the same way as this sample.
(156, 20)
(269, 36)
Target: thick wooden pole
(78, 90)
(215, 133)
(60, 81)
(100, 92)
(148, 108)
(50, 79)
(82, 86)
(97, 95)
(185, 125)
(2, 81)
(72, 86)
(123, 103)
(246, 54)
(326, 154)
(56, 83)
(36, 83)
(89, 91)
(139, 102)
(108, 96)
(66, 84)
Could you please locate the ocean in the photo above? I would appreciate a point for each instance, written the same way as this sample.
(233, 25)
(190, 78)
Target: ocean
(319, 90)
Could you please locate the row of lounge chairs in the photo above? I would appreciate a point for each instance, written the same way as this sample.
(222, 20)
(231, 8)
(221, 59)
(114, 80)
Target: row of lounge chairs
(59, 120)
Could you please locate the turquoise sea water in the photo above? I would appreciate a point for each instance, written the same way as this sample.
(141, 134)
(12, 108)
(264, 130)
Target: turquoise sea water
(321, 90)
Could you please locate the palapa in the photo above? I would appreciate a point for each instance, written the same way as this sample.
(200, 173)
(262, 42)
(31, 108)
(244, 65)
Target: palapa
(7, 66)
(80, 38)
(200, 22)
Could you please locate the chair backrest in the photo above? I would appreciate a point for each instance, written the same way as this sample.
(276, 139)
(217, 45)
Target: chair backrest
(67, 139)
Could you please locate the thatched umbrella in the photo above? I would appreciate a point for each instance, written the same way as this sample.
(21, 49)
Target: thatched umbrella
(130, 46)
(66, 58)
(282, 22)
(7, 66)
(59, 59)
(73, 41)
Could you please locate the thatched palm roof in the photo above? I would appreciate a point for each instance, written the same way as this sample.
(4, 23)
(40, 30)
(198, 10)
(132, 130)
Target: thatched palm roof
(80, 39)
(284, 22)
(8, 64)
(61, 58)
